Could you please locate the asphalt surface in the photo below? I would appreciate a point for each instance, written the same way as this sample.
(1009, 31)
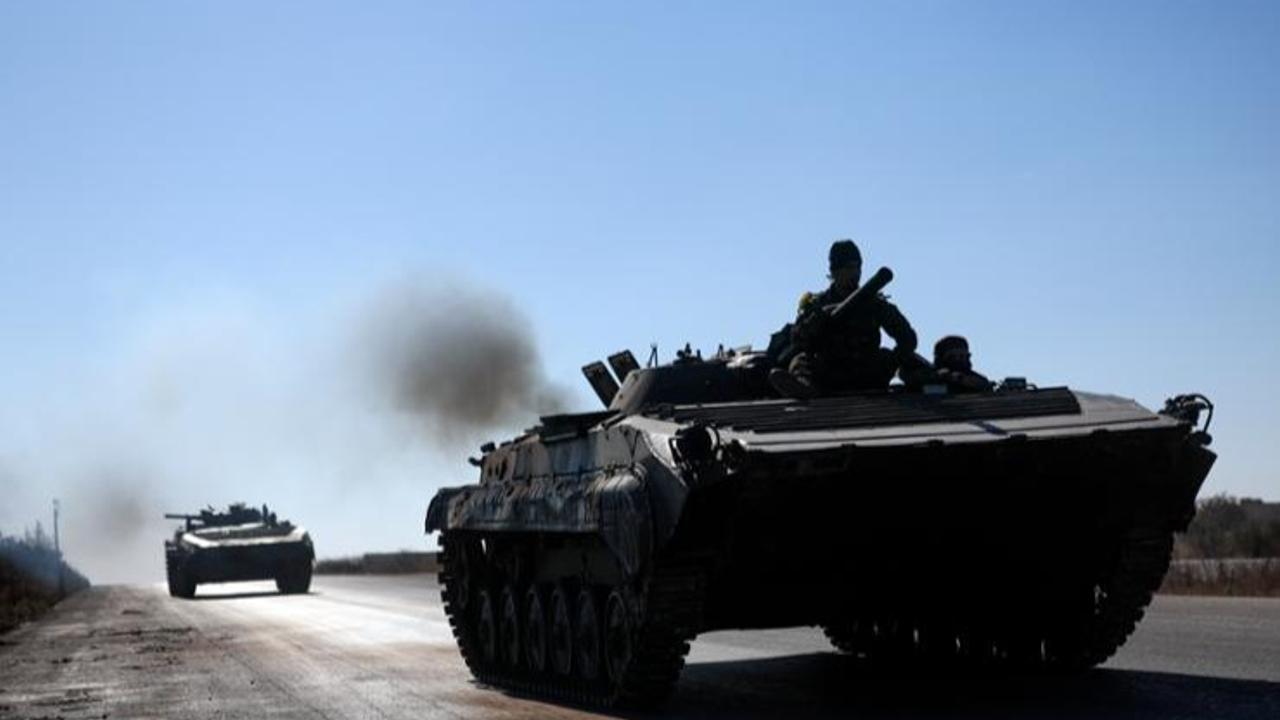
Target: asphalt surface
(379, 647)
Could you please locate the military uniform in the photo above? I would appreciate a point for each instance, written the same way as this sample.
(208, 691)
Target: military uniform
(843, 354)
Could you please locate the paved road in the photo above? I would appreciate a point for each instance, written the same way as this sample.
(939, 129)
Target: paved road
(379, 647)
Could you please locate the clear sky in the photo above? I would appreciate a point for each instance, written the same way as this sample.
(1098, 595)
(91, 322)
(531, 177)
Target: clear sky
(199, 201)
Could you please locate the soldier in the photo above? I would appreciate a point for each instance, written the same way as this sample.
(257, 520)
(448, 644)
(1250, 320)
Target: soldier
(954, 366)
(843, 355)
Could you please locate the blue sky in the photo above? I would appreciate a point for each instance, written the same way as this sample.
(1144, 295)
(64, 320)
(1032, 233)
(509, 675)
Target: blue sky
(1090, 191)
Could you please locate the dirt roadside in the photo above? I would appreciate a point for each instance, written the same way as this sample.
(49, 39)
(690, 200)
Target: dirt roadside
(120, 652)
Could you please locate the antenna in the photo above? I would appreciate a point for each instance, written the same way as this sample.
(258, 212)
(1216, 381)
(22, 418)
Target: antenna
(57, 550)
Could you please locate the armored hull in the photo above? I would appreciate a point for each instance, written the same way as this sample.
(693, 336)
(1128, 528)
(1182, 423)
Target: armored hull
(242, 544)
(1024, 527)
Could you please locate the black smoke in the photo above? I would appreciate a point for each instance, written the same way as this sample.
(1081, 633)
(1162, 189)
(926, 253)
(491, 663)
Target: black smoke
(462, 359)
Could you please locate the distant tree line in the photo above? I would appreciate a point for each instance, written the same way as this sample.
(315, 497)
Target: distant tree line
(33, 576)
(392, 563)
(1230, 527)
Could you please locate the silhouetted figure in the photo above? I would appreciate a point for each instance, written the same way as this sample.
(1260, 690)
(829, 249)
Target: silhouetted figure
(954, 366)
(840, 355)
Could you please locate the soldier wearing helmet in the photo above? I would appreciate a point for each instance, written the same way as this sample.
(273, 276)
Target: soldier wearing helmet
(843, 355)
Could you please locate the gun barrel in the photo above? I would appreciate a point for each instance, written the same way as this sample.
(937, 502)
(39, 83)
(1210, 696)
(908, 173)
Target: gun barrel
(868, 290)
(179, 516)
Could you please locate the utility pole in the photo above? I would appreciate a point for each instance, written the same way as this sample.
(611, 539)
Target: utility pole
(57, 550)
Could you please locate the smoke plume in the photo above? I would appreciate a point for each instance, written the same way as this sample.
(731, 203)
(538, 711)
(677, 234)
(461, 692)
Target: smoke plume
(461, 359)
(113, 518)
(345, 417)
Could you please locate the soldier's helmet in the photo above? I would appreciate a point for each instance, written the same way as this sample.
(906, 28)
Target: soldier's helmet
(843, 253)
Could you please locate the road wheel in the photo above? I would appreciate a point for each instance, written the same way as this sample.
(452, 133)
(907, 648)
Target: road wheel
(586, 636)
(1024, 649)
(535, 631)
(487, 628)
(617, 637)
(462, 572)
(509, 628)
(976, 647)
(1065, 647)
(1103, 613)
(561, 632)
(462, 569)
(894, 639)
(853, 636)
(938, 643)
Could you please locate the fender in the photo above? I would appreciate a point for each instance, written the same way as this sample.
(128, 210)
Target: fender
(614, 505)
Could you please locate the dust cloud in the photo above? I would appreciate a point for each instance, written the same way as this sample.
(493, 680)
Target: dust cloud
(344, 416)
(114, 517)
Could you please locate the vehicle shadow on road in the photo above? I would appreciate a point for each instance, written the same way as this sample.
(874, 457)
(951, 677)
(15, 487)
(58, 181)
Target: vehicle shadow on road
(248, 594)
(824, 685)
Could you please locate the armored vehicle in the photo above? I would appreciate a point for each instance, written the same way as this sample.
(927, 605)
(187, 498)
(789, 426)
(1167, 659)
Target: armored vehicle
(1021, 526)
(242, 543)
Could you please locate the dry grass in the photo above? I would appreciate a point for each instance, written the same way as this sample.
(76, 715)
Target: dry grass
(29, 581)
(1253, 577)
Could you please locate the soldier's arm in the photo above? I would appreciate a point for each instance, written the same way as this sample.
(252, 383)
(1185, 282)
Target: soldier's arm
(810, 320)
(977, 381)
(808, 302)
(965, 381)
(895, 324)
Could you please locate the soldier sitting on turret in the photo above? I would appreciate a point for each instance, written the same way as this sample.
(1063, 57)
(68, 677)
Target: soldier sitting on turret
(954, 366)
(843, 355)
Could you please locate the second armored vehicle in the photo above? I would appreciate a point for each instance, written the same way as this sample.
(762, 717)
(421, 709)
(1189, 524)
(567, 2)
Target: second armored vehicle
(242, 543)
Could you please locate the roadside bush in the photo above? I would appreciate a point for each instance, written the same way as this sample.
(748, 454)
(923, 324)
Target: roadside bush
(1229, 527)
(1251, 577)
(29, 578)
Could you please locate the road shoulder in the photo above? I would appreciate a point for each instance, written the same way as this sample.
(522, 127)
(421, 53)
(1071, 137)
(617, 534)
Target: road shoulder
(117, 651)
